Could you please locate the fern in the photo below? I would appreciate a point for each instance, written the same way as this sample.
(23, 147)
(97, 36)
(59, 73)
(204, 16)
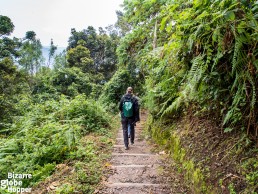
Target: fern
(239, 57)
(174, 106)
(250, 79)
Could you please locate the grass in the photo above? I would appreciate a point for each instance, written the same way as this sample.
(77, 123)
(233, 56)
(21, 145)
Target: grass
(83, 171)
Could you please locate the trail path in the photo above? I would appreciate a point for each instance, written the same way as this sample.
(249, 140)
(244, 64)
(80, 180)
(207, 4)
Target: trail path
(137, 170)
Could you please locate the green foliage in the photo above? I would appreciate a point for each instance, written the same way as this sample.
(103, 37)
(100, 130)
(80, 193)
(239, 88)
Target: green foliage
(80, 57)
(52, 50)
(8, 47)
(205, 55)
(115, 88)
(60, 61)
(231, 189)
(43, 85)
(65, 189)
(45, 115)
(13, 85)
(250, 171)
(166, 136)
(47, 134)
(72, 81)
(68, 81)
(89, 157)
(194, 56)
(30, 35)
(121, 23)
(31, 54)
(205, 38)
(6, 25)
(102, 48)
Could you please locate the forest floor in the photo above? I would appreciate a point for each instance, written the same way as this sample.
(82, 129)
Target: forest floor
(142, 169)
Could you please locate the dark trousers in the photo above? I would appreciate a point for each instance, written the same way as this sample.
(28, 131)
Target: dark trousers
(125, 123)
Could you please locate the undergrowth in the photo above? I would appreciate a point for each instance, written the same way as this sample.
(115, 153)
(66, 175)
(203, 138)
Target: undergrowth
(165, 137)
(88, 163)
(209, 161)
(49, 133)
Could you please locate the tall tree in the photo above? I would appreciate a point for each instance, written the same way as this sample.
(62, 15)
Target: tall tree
(122, 25)
(80, 57)
(102, 48)
(12, 81)
(52, 50)
(8, 47)
(31, 53)
(12, 84)
(60, 60)
(6, 25)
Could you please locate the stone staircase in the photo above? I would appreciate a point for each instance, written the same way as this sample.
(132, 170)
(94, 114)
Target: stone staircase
(137, 170)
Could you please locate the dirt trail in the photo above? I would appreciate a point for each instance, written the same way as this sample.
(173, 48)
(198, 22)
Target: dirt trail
(137, 170)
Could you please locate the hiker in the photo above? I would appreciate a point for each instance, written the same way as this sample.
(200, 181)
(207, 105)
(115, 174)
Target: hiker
(129, 110)
(137, 113)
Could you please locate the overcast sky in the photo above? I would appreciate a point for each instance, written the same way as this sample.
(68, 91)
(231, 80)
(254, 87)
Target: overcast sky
(55, 18)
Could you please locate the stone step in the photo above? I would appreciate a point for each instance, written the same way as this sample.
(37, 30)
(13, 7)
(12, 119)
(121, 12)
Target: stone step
(137, 188)
(133, 149)
(146, 174)
(137, 141)
(137, 170)
(140, 159)
(132, 154)
(131, 184)
(131, 166)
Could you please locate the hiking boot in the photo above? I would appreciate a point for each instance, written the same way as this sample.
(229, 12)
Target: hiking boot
(126, 148)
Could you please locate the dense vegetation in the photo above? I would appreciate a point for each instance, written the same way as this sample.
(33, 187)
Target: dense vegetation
(197, 60)
(192, 62)
(200, 52)
(49, 113)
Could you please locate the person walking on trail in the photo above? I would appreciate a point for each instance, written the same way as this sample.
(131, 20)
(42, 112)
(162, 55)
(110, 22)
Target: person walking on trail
(137, 112)
(129, 110)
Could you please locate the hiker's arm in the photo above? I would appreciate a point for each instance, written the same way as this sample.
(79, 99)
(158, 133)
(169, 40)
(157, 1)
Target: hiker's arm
(137, 114)
(121, 104)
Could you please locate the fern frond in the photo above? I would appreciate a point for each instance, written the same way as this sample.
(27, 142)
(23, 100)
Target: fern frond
(250, 79)
(174, 106)
(239, 56)
(236, 82)
(165, 104)
(197, 63)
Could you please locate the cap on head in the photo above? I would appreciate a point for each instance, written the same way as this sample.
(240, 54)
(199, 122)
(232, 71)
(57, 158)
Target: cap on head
(129, 90)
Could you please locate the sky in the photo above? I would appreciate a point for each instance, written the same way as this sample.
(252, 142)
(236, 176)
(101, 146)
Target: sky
(55, 18)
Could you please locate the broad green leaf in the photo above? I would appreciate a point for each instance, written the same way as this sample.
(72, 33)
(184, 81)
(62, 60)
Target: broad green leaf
(230, 15)
(163, 22)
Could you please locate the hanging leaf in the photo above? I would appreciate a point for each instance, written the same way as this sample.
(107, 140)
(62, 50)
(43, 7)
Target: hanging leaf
(230, 15)
(241, 27)
(163, 23)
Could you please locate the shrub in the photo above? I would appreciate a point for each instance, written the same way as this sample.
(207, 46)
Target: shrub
(47, 134)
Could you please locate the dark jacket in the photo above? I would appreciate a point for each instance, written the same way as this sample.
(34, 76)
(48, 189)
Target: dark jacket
(136, 115)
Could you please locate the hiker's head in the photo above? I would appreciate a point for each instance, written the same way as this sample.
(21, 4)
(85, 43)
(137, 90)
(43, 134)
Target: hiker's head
(129, 90)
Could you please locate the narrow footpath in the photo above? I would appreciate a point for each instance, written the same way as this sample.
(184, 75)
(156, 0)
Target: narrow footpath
(138, 170)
